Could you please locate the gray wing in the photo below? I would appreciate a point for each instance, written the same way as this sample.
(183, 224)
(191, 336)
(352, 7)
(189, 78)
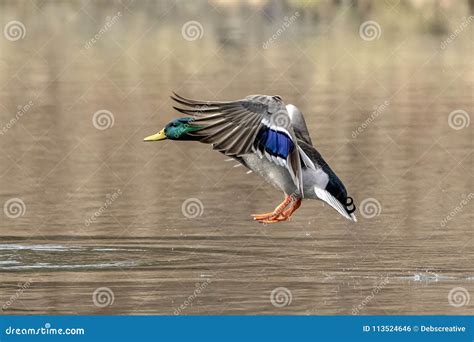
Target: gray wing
(233, 128)
(299, 124)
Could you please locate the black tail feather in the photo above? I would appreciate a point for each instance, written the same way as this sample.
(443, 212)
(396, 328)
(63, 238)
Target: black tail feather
(349, 203)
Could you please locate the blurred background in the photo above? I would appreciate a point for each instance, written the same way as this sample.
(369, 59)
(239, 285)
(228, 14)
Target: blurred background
(95, 221)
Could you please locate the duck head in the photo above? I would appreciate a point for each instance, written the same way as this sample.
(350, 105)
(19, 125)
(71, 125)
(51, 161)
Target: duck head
(177, 129)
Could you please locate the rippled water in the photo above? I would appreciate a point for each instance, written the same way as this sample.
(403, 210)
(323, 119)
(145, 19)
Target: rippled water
(57, 253)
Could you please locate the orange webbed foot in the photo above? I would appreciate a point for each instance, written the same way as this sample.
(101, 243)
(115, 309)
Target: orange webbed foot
(280, 214)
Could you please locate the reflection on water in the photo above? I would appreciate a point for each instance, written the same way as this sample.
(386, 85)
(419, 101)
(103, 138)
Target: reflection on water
(103, 209)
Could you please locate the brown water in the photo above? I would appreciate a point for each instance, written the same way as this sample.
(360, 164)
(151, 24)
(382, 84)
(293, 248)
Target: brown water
(142, 247)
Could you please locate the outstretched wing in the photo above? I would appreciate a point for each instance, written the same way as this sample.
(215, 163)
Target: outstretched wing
(258, 123)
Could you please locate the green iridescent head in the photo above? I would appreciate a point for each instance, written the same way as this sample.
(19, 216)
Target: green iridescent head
(177, 129)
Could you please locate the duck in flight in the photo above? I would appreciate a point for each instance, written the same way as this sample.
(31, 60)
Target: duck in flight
(269, 138)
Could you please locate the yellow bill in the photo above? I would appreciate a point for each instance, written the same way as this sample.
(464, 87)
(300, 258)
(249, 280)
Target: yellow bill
(156, 137)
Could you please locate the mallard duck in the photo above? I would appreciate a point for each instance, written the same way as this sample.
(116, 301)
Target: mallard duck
(269, 138)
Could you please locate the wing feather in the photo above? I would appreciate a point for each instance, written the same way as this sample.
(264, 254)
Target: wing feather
(233, 128)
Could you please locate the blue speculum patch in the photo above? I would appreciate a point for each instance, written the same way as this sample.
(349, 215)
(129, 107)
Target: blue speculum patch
(275, 143)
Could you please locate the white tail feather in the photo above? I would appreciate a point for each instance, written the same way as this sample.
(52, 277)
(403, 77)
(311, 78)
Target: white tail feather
(325, 196)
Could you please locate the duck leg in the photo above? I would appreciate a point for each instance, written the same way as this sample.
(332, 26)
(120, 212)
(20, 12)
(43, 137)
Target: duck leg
(275, 213)
(296, 204)
(286, 214)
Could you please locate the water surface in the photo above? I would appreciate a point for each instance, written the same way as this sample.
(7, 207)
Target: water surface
(406, 259)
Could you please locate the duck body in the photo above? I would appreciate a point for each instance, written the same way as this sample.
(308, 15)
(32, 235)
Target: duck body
(276, 175)
(270, 139)
(323, 184)
(319, 183)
